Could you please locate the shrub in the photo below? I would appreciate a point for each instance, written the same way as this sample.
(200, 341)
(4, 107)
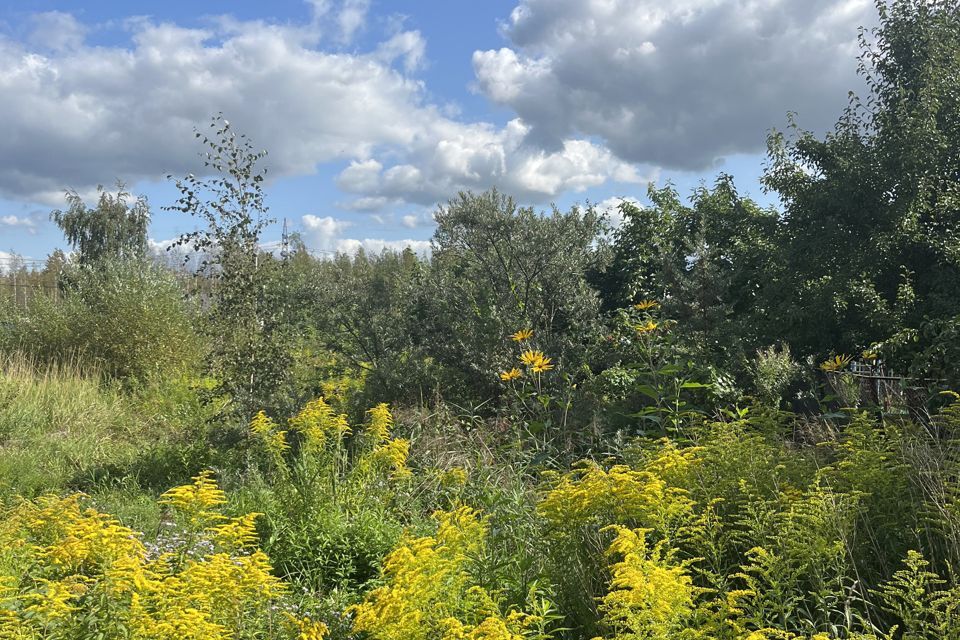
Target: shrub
(72, 572)
(128, 320)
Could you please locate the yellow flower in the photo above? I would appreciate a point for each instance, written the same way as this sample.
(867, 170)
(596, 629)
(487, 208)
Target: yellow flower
(523, 334)
(542, 365)
(836, 363)
(869, 355)
(381, 422)
(536, 361)
(646, 305)
(646, 327)
(197, 502)
(513, 374)
(305, 628)
(319, 425)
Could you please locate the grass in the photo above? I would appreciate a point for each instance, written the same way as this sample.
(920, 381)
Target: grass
(63, 428)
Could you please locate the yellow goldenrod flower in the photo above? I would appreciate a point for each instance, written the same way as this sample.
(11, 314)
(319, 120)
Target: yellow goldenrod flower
(646, 305)
(381, 422)
(513, 374)
(197, 502)
(429, 589)
(836, 363)
(646, 327)
(319, 425)
(649, 594)
(66, 565)
(305, 628)
(392, 457)
(523, 334)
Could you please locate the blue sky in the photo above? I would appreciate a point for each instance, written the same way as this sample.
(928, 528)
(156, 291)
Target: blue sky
(373, 112)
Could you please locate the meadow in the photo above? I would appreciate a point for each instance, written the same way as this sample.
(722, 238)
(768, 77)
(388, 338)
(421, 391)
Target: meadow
(713, 421)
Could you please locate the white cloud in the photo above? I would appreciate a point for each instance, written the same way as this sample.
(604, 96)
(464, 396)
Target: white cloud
(611, 208)
(326, 235)
(82, 115)
(406, 45)
(450, 157)
(15, 221)
(323, 233)
(377, 245)
(56, 30)
(676, 84)
(352, 17)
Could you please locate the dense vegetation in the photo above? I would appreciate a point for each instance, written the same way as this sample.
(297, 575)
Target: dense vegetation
(715, 420)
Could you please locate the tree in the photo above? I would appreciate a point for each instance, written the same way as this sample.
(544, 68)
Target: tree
(710, 264)
(498, 268)
(248, 357)
(872, 211)
(114, 229)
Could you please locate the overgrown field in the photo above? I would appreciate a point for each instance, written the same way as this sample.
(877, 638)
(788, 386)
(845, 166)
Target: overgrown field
(712, 421)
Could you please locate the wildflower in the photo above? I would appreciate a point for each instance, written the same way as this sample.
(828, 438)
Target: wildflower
(455, 477)
(429, 588)
(305, 628)
(646, 327)
(319, 425)
(273, 439)
(649, 594)
(197, 501)
(646, 305)
(381, 421)
(836, 363)
(512, 374)
(869, 355)
(392, 457)
(536, 361)
(591, 494)
(523, 334)
(542, 365)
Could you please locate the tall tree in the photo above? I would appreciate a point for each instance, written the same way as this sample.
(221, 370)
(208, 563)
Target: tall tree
(115, 228)
(872, 219)
(498, 268)
(710, 263)
(248, 357)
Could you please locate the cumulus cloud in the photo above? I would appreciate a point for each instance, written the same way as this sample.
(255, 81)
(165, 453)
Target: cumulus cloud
(75, 115)
(86, 115)
(325, 235)
(18, 221)
(378, 245)
(352, 17)
(451, 156)
(675, 84)
(56, 30)
(611, 208)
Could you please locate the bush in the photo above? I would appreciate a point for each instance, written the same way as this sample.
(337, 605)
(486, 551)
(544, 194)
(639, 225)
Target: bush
(67, 571)
(128, 320)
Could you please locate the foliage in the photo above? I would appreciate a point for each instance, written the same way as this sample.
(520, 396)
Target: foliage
(72, 572)
(871, 224)
(497, 267)
(249, 353)
(127, 319)
(430, 590)
(334, 513)
(711, 265)
(112, 231)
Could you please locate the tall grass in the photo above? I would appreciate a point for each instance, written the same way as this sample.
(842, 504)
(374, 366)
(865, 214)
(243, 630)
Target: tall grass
(63, 427)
